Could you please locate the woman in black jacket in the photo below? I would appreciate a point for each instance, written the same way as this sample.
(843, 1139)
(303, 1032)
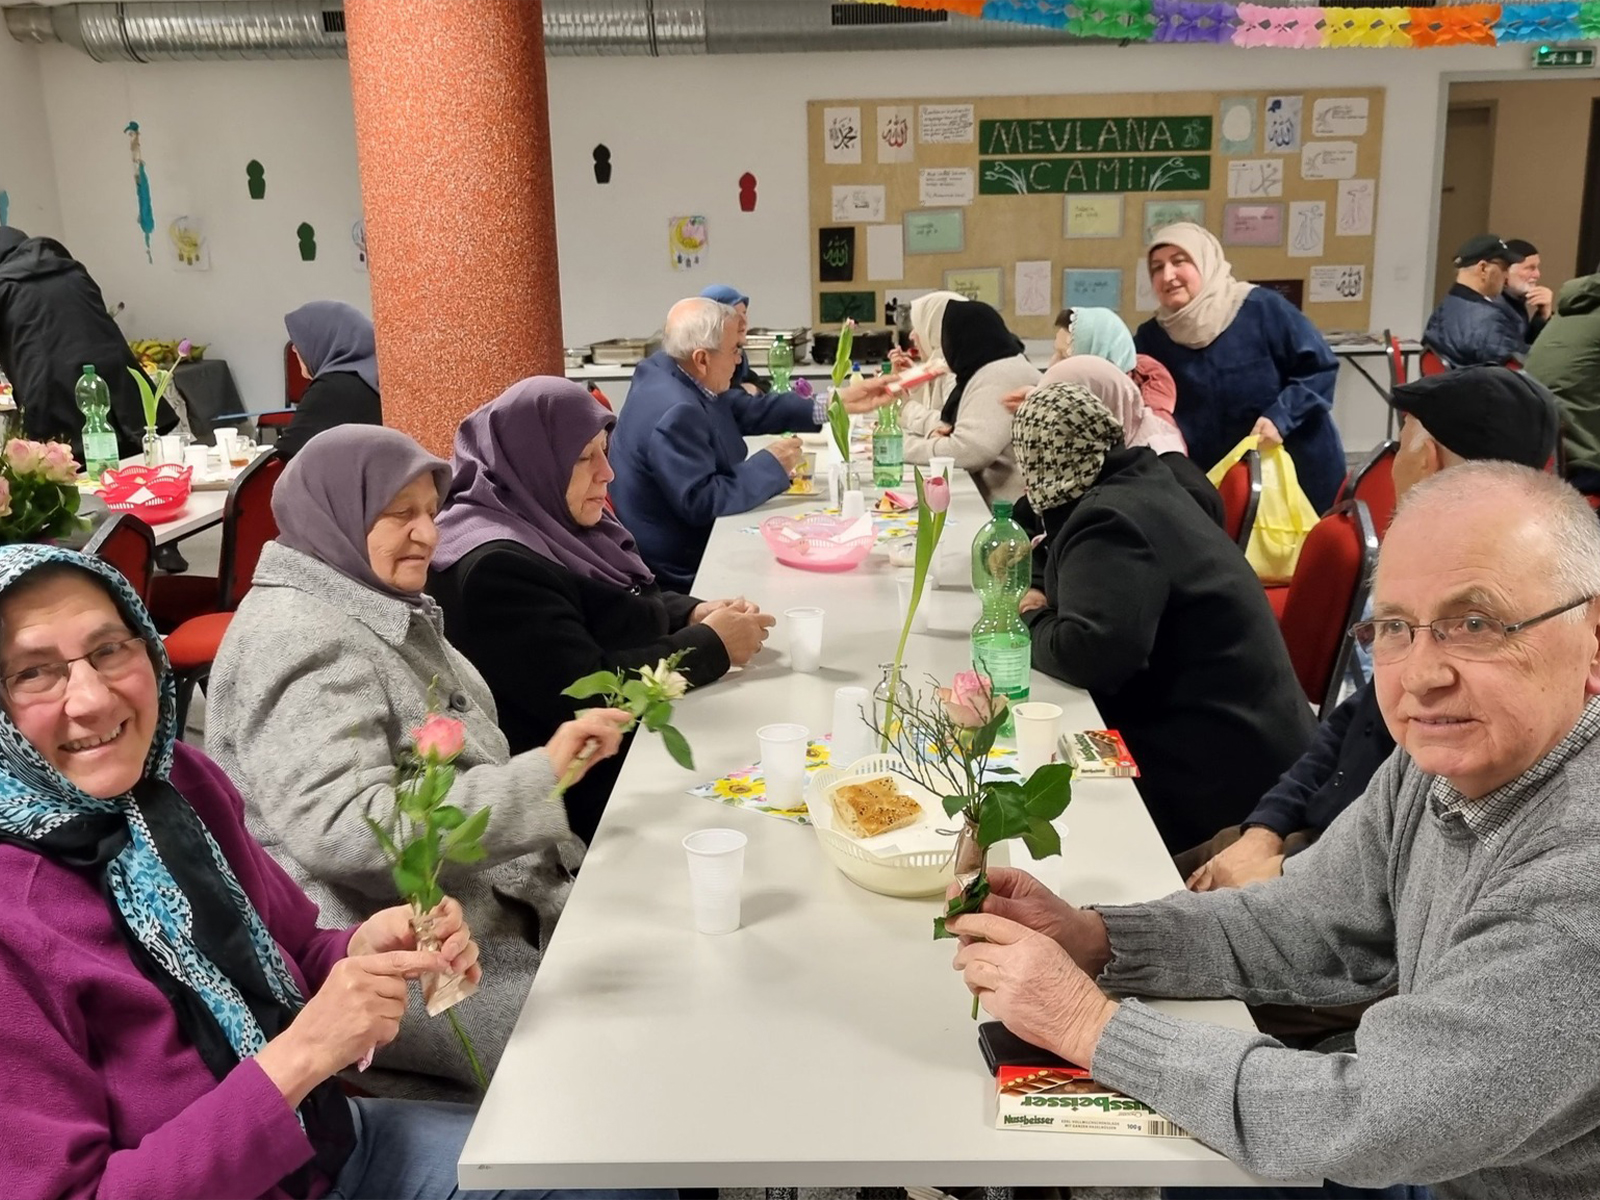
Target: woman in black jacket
(338, 352)
(1148, 606)
(541, 585)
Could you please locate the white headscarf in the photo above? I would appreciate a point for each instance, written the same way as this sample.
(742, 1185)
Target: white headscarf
(1201, 321)
(927, 321)
(1122, 399)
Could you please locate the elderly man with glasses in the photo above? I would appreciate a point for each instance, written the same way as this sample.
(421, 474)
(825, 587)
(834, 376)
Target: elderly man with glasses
(1467, 878)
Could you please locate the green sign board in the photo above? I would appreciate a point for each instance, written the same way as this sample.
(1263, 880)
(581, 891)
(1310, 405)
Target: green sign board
(1096, 135)
(1143, 173)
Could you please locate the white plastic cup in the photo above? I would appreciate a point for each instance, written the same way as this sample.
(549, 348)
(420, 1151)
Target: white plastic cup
(941, 464)
(783, 763)
(904, 581)
(852, 737)
(716, 869)
(805, 638)
(225, 440)
(852, 506)
(171, 448)
(195, 457)
(1038, 728)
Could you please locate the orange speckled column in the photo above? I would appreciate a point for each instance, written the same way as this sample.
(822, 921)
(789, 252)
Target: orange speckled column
(453, 140)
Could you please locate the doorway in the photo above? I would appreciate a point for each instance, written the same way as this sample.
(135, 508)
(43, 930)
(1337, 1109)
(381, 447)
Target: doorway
(1464, 189)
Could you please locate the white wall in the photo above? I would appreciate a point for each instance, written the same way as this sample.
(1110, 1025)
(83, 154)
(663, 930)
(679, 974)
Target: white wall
(27, 166)
(681, 131)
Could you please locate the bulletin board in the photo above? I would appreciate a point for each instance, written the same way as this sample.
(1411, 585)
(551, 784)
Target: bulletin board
(1035, 203)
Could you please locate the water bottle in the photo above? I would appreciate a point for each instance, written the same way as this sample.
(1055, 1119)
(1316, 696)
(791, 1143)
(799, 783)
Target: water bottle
(99, 442)
(888, 448)
(780, 362)
(1001, 572)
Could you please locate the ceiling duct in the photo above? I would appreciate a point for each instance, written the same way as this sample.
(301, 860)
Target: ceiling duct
(271, 29)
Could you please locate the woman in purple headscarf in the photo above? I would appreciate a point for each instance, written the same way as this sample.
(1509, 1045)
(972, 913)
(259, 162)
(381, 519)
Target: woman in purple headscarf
(337, 352)
(541, 585)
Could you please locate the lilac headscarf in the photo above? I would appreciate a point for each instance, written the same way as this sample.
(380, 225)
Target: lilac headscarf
(333, 336)
(513, 459)
(332, 492)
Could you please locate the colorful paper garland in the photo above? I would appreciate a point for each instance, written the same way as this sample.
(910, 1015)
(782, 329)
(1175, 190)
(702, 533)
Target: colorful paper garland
(1250, 25)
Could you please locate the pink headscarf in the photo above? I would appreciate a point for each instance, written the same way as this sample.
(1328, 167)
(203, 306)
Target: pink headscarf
(1120, 395)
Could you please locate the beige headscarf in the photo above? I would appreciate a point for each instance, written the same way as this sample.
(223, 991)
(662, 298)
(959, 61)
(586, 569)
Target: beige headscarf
(927, 321)
(1201, 321)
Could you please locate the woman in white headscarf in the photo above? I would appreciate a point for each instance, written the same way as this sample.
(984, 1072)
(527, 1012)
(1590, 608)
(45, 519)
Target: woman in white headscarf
(919, 411)
(1245, 361)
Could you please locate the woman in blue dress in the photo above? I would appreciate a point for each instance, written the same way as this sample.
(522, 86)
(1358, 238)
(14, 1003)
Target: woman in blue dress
(1245, 361)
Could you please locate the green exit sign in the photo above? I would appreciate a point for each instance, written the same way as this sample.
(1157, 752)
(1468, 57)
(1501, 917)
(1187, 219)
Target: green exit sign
(1563, 56)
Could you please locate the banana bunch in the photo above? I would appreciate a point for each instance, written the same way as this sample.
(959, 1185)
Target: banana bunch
(163, 354)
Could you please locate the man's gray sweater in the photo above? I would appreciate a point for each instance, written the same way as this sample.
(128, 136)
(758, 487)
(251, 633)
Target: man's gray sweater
(1481, 1075)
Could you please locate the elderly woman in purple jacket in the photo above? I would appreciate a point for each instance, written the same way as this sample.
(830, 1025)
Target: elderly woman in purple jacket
(174, 1019)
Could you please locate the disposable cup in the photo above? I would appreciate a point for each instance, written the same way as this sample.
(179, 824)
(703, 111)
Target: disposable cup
(716, 867)
(1038, 727)
(171, 448)
(904, 582)
(852, 736)
(195, 458)
(805, 638)
(783, 763)
(853, 505)
(941, 464)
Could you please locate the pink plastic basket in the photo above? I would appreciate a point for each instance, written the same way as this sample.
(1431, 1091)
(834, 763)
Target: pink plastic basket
(154, 494)
(817, 542)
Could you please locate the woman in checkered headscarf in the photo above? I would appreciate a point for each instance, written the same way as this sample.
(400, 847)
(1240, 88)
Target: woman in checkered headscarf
(1149, 606)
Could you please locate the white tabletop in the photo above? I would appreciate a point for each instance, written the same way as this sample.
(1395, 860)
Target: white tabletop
(827, 1042)
(201, 511)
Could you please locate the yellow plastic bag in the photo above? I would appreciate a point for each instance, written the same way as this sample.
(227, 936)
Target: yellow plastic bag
(1285, 516)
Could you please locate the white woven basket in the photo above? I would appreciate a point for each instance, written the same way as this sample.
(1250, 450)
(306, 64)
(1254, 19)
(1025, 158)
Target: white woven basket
(909, 874)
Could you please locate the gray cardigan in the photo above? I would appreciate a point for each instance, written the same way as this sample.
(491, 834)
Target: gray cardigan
(1481, 1076)
(981, 440)
(313, 695)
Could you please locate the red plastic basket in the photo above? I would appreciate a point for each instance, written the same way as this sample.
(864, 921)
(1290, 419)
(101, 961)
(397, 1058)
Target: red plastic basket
(153, 494)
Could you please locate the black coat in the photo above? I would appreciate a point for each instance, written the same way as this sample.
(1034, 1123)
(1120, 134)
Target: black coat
(1153, 610)
(533, 628)
(334, 398)
(53, 321)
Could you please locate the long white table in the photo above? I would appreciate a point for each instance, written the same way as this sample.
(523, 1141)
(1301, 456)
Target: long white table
(827, 1042)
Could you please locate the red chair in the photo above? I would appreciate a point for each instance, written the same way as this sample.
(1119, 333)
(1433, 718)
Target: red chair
(129, 545)
(295, 380)
(1241, 497)
(1373, 484)
(1326, 596)
(205, 604)
(604, 399)
(1433, 363)
(1397, 360)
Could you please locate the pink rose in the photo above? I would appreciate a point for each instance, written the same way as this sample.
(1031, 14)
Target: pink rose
(936, 492)
(970, 700)
(440, 738)
(5, 497)
(59, 466)
(24, 456)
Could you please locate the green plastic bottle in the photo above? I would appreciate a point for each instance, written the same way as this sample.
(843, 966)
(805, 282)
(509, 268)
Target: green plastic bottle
(99, 442)
(1002, 568)
(888, 448)
(780, 362)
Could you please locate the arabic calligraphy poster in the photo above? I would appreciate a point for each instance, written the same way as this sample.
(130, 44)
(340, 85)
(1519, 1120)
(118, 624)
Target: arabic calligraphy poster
(836, 254)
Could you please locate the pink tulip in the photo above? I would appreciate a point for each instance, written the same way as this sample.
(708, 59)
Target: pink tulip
(24, 456)
(58, 464)
(970, 700)
(440, 738)
(184, 347)
(5, 497)
(936, 492)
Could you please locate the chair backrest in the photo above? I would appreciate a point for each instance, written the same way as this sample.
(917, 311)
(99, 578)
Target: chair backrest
(1326, 596)
(295, 381)
(247, 526)
(1372, 483)
(1433, 363)
(129, 545)
(605, 400)
(1397, 360)
(1241, 497)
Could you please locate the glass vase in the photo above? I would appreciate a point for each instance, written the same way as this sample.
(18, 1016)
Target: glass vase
(152, 447)
(888, 718)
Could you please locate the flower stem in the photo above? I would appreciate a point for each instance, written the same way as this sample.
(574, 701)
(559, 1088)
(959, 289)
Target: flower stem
(472, 1055)
(894, 678)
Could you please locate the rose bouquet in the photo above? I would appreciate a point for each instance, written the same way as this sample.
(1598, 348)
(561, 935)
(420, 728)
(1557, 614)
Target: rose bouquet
(422, 834)
(38, 493)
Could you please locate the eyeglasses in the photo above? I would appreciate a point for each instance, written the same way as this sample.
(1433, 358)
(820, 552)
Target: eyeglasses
(48, 680)
(1469, 637)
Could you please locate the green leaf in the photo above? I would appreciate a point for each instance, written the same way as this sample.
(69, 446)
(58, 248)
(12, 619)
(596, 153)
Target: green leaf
(636, 692)
(468, 833)
(657, 715)
(419, 858)
(841, 354)
(412, 800)
(409, 884)
(1002, 813)
(385, 842)
(983, 739)
(677, 746)
(1049, 791)
(954, 804)
(601, 683)
(465, 854)
(448, 816)
(1042, 840)
(969, 900)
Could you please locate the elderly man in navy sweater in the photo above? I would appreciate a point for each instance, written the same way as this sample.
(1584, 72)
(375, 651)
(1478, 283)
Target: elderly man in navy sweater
(679, 452)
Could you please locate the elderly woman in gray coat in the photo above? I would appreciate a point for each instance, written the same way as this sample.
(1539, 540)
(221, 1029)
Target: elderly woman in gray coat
(332, 658)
